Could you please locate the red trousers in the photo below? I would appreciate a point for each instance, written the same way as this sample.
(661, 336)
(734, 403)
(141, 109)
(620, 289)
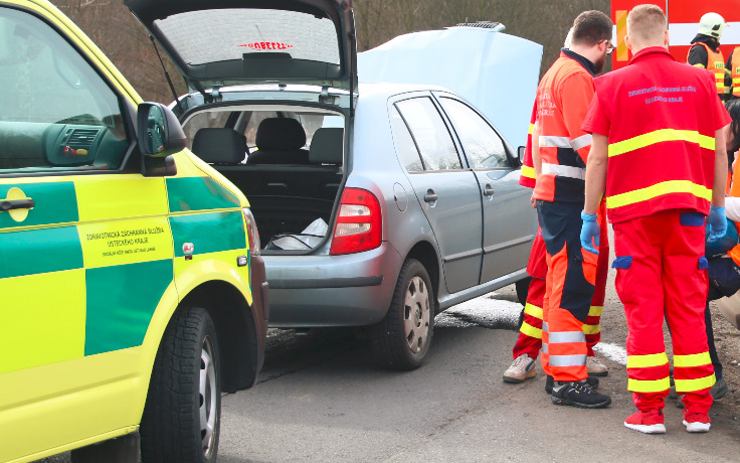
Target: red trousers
(661, 274)
(529, 341)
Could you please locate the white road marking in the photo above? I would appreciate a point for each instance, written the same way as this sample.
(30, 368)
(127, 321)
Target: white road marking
(613, 352)
(483, 311)
(487, 311)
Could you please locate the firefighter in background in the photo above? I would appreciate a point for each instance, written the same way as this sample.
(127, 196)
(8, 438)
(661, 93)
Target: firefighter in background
(660, 172)
(560, 150)
(529, 341)
(705, 52)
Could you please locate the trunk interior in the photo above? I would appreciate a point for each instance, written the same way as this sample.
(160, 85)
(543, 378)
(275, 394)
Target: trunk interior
(285, 200)
(286, 160)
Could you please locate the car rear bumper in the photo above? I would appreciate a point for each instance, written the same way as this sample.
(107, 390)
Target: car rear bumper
(322, 291)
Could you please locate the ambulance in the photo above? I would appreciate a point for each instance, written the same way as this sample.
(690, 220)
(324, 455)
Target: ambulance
(683, 19)
(132, 292)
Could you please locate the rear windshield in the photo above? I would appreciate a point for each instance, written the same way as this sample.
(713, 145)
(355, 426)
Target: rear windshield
(208, 36)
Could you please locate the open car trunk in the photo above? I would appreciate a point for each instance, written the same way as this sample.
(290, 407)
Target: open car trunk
(222, 47)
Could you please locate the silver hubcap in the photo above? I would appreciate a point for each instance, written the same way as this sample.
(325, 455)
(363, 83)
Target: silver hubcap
(207, 389)
(416, 314)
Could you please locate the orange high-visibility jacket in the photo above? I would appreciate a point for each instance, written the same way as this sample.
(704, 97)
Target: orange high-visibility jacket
(563, 98)
(735, 69)
(715, 65)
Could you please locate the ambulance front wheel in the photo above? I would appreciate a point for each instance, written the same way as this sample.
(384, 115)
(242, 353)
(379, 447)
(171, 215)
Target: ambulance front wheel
(402, 339)
(182, 415)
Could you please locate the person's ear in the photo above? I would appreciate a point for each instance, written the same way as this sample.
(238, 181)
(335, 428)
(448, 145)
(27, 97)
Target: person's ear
(628, 42)
(666, 39)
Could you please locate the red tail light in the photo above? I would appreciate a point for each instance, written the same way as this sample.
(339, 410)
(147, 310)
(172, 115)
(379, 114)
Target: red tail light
(253, 234)
(359, 224)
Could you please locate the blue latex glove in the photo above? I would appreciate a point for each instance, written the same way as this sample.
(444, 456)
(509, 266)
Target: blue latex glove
(717, 223)
(590, 233)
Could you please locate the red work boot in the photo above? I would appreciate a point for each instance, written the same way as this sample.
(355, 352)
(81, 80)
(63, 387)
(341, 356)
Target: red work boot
(647, 422)
(697, 422)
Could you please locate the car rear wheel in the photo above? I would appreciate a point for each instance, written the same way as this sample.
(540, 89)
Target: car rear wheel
(181, 419)
(402, 339)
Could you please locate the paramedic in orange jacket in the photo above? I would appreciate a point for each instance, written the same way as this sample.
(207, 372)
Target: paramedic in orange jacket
(561, 150)
(659, 156)
(529, 341)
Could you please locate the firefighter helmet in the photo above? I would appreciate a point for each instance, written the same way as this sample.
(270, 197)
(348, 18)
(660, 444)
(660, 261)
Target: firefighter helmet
(712, 24)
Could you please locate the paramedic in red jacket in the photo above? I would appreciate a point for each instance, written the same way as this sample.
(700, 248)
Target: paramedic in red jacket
(659, 156)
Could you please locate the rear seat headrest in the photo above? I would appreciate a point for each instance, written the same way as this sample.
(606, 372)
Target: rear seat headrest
(280, 134)
(220, 146)
(327, 146)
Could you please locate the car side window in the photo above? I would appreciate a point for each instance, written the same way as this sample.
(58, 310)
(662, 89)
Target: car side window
(482, 145)
(430, 133)
(405, 147)
(56, 112)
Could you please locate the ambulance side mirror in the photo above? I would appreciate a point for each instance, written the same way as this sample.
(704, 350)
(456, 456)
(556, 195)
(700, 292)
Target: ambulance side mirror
(159, 135)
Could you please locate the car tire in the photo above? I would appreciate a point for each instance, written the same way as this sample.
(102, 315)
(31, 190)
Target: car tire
(522, 288)
(181, 420)
(401, 341)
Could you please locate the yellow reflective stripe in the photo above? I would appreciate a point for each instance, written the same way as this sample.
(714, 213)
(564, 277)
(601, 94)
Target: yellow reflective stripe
(533, 310)
(530, 331)
(591, 329)
(693, 385)
(692, 360)
(641, 385)
(531, 129)
(647, 361)
(595, 311)
(719, 75)
(736, 80)
(699, 65)
(659, 189)
(659, 136)
(528, 172)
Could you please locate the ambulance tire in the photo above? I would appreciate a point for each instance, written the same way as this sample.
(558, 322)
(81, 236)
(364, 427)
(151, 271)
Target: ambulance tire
(401, 341)
(522, 288)
(186, 378)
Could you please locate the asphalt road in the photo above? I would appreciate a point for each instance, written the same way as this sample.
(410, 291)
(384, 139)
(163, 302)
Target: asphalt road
(321, 399)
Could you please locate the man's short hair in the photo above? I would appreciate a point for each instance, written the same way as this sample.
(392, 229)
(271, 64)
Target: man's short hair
(646, 23)
(591, 27)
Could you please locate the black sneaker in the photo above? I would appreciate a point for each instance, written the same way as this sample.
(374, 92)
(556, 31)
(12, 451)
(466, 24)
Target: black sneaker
(579, 395)
(592, 380)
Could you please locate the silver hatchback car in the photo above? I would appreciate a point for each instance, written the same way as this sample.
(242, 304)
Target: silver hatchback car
(377, 205)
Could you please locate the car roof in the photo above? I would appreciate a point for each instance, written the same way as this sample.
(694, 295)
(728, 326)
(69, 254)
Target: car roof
(389, 89)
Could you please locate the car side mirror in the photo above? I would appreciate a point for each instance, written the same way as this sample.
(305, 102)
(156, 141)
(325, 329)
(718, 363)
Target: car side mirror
(159, 135)
(520, 155)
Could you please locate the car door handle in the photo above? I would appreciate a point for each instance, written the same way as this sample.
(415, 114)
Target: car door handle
(8, 204)
(431, 196)
(488, 190)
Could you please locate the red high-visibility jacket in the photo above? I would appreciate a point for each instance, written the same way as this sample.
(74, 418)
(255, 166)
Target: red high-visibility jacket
(660, 117)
